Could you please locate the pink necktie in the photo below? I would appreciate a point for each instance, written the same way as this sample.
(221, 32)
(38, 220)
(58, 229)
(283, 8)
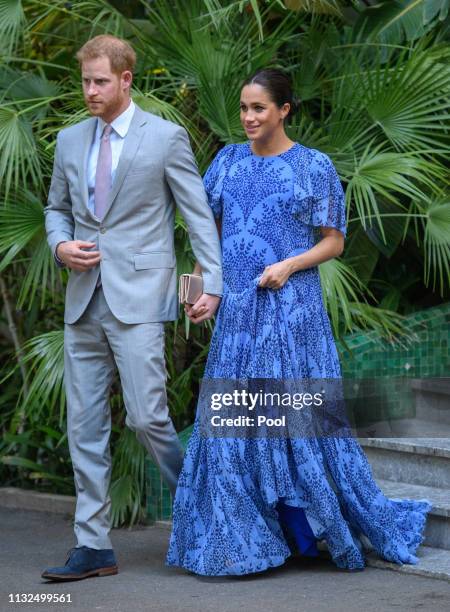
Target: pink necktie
(103, 174)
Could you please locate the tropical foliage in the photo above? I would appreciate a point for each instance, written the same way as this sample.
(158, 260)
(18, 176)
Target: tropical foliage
(373, 79)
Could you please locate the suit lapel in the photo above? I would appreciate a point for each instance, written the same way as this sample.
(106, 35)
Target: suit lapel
(129, 150)
(86, 142)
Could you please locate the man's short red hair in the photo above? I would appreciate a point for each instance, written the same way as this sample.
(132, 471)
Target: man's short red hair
(120, 54)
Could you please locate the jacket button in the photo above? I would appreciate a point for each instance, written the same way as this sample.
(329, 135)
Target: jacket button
(103, 230)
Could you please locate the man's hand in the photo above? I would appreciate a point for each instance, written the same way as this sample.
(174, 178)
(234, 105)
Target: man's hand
(276, 275)
(73, 253)
(203, 309)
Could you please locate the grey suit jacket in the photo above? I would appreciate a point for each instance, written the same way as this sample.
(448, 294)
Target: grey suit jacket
(156, 170)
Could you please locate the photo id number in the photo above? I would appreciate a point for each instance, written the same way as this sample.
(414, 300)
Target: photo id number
(40, 598)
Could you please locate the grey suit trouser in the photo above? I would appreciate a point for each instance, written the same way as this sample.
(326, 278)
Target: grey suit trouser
(94, 345)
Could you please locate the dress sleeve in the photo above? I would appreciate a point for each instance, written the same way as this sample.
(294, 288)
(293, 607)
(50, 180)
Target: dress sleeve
(319, 199)
(213, 180)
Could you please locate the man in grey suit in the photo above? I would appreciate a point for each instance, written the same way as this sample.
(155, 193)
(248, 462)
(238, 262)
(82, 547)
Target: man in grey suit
(110, 218)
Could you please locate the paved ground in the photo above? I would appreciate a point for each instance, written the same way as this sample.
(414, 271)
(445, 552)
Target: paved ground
(30, 541)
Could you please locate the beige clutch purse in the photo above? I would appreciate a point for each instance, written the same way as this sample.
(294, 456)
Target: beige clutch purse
(190, 288)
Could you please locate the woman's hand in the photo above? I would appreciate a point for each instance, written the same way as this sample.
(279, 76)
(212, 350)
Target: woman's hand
(276, 275)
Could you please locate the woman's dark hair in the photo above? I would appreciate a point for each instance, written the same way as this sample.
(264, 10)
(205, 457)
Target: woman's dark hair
(278, 85)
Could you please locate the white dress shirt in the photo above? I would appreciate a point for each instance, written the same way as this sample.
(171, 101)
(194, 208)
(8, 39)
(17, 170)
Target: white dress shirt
(120, 127)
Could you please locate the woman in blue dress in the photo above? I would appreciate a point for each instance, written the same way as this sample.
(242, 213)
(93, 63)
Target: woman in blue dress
(242, 503)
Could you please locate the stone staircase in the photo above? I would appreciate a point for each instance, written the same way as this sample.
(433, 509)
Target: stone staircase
(418, 467)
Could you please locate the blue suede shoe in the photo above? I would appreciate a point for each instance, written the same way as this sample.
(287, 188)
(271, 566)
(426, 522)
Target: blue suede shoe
(82, 563)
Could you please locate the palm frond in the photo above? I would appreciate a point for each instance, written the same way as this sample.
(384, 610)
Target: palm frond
(22, 87)
(36, 471)
(213, 66)
(44, 356)
(128, 479)
(394, 21)
(93, 17)
(20, 223)
(221, 15)
(41, 275)
(340, 286)
(11, 23)
(437, 244)
(344, 297)
(19, 159)
(385, 174)
(126, 501)
(152, 103)
(361, 254)
(22, 231)
(408, 100)
(383, 324)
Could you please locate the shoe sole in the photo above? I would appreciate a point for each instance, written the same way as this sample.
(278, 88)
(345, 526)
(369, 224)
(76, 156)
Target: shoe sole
(103, 571)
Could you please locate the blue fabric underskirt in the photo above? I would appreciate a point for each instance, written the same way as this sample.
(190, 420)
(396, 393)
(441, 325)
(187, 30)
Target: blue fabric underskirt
(294, 522)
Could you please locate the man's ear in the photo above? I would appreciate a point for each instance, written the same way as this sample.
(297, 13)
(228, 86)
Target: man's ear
(126, 78)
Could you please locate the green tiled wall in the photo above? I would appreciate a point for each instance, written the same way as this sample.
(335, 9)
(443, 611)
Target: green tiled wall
(427, 355)
(159, 499)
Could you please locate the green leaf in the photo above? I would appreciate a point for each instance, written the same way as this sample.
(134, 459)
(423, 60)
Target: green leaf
(44, 357)
(408, 100)
(20, 223)
(19, 160)
(437, 244)
(213, 63)
(11, 22)
(340, 286)
(39, 471)
(128, 479)
(394, 21)
(389, 175)
(22, 229)
(151, 103)
(331, 7)
(361, 254)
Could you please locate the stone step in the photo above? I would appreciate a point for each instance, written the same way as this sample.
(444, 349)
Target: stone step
(437, 531)
(432, 399)
(433, 563)
(420, 461)
(413, 427)
(26, 499)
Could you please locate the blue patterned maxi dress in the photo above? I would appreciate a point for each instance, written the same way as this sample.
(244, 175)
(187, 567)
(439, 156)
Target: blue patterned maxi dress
(240, 501)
